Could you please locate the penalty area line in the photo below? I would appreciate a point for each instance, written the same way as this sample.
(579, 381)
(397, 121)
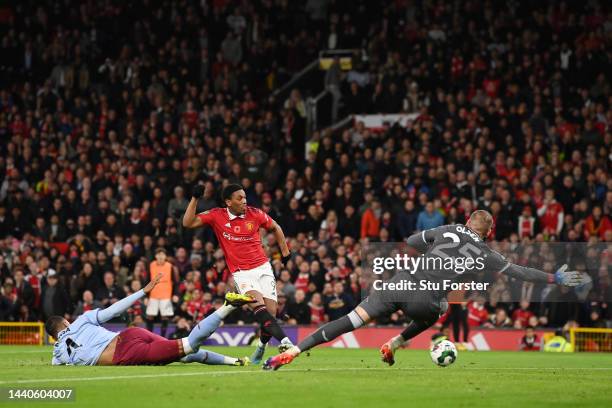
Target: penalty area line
(289, 370)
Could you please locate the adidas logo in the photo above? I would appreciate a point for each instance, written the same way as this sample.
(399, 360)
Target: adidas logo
(228, 225)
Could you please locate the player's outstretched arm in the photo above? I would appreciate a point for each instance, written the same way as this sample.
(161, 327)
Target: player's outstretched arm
(561, 277)
(190, 219)
(124, 304)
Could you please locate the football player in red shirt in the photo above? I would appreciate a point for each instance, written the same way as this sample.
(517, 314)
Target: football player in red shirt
(237, 230)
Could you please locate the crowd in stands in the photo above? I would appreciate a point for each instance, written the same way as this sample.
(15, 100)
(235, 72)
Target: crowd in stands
(110, 112)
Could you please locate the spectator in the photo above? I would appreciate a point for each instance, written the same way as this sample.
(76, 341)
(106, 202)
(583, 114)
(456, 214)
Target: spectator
(500, 318)
(407, 220)
(288, 288)
(109, 292)
(198, 306)
(55, 300)
(370, 222)
(86, 304)
(477, 314)
(298, 310)
(338, 303)
(551, 214)
(522, 315)
(597, 224)
(317, 310)
(429, 218)
(349, 223)
(23, 290)
(8, 301)
(526, 223)
(232, 49)
(530, 341)
(177, 206)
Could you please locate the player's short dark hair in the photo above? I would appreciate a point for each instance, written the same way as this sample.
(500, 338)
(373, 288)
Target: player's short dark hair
(53, 325)
(229, 190)
(160, 249)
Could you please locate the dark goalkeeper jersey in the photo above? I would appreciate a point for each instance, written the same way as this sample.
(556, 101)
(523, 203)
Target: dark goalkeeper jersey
(454, 252)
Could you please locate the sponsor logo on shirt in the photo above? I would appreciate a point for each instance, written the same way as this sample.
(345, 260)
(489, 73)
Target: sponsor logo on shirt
(231, 237)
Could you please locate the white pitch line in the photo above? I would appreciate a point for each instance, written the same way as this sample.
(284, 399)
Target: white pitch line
(26, 352)
(301, 370)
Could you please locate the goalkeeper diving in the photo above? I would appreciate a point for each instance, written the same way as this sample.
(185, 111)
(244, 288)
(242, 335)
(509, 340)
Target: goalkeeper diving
(424, 307)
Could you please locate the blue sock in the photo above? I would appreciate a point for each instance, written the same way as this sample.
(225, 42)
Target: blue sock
(208, 357)
(203, 330)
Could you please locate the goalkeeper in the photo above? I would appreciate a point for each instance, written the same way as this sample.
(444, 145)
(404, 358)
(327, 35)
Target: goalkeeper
(425, 307)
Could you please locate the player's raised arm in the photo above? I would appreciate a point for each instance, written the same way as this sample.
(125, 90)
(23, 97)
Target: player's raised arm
(124, 304)
(190, 219)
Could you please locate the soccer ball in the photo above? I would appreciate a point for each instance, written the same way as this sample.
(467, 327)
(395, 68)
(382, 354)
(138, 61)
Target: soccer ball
(443, 353)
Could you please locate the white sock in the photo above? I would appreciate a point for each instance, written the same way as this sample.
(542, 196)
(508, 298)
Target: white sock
(225, 310)
(286, 340)
(397, 342)
(229, 360)
(294, 351)
(186, 346)
(260, 344)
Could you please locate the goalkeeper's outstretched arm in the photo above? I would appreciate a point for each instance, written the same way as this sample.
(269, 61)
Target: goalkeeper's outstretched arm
(560, 277)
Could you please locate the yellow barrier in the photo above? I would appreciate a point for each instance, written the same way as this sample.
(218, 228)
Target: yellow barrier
(590, 339)
(22, 333)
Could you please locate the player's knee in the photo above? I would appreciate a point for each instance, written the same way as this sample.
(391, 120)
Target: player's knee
(356, 319)
(362, 314)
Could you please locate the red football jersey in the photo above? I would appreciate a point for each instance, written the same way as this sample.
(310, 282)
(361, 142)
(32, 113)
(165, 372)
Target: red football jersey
(239, 236)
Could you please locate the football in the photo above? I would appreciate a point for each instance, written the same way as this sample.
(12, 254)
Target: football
(443, 353)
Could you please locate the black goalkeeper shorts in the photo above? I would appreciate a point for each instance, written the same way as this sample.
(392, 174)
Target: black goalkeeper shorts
(418, 305)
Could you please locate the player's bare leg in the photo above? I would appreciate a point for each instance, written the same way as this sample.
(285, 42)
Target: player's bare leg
(328, 332)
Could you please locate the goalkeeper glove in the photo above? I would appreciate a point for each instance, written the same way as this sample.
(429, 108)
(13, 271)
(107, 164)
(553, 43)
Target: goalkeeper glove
(198, 191)
(567, 278)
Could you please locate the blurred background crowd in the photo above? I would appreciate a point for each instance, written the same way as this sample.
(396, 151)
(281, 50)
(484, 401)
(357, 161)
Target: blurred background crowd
(111, 111)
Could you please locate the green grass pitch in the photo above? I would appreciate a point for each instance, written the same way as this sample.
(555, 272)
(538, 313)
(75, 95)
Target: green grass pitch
(328, 378)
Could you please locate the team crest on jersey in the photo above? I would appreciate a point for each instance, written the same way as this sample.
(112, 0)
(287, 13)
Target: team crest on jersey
(250, 226)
